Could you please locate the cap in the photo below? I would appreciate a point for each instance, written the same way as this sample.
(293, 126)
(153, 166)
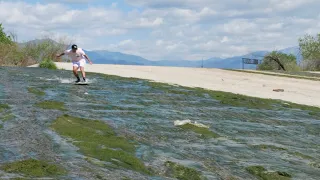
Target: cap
(74, 46)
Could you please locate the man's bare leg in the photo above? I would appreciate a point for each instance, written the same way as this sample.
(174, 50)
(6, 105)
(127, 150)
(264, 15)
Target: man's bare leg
(83, 73)
(75, 72)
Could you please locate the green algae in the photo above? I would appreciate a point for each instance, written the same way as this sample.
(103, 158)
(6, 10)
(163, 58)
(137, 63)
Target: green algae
(314, 114)
(263, 174)
(125, 178)
(34, 168)
(7, 117)
(204, 132)
(115, 78)
(239, 100)
(97, 140)
(36, 91)
(181, 172)
(298, 154)
(265, 146)
(312, 110)
(232, 99)
(167, 88)
(113, 107)
(224, 98)
(315, 164)
(4, 107)
(51, 105)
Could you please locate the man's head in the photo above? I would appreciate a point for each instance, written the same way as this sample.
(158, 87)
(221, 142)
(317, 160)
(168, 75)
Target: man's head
(74, 48)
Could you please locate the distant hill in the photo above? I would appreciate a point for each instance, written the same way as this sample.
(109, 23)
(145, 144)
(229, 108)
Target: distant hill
(107, 57)
(234, 62)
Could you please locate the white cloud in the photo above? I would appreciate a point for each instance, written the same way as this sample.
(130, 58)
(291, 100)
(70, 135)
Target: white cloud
(100, 32)
(224, 39)
(174, 29)
(159, 42)
(114, 5)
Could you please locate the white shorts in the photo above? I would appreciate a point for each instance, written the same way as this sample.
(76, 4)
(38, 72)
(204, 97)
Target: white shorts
(81, 63)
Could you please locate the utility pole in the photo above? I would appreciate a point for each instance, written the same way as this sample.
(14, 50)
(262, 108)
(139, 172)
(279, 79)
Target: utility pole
(202, 63)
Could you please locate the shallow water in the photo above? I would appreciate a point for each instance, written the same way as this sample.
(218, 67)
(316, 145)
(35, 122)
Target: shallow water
(132, 108)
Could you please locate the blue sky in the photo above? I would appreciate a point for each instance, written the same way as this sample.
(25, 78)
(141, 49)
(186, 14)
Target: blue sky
(165, 29)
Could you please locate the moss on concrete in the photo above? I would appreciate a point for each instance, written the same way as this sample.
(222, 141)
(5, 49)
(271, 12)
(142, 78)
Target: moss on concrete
(36, 91)
(4, 107)
(97, 140)
(226, 98)
(263, 174)
(233, 99)
(315, 164)
(266, 146)
(7, 117)
(51, 105)
(204, 132)
(34, 168)
(180, 172)
(298, 154)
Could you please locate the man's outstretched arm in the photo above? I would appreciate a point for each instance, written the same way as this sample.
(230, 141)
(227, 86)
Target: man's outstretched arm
(87, 58)
(59, 55)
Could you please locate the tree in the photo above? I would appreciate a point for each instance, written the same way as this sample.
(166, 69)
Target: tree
(279, 61)
(23, 54)
(4, 38)
(310, 50)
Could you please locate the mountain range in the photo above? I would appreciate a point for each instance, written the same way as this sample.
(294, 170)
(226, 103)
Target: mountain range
(235, 62)
(107, 57)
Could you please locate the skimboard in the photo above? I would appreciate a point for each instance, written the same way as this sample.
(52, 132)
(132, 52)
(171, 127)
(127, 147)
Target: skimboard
(81, 83)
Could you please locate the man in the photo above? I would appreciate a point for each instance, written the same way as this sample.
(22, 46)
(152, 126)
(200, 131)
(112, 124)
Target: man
(77, 56)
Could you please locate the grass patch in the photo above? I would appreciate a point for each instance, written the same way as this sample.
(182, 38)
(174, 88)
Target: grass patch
(51, 105)
(4, 107)
(264, 147)
(262, 173)
(97, 140)
(180, 172)
(36, 91)
(47, 63)
(204, 132)
(34, 168)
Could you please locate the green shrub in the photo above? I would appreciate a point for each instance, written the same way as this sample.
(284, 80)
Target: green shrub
(288, 62)
(48, 63)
